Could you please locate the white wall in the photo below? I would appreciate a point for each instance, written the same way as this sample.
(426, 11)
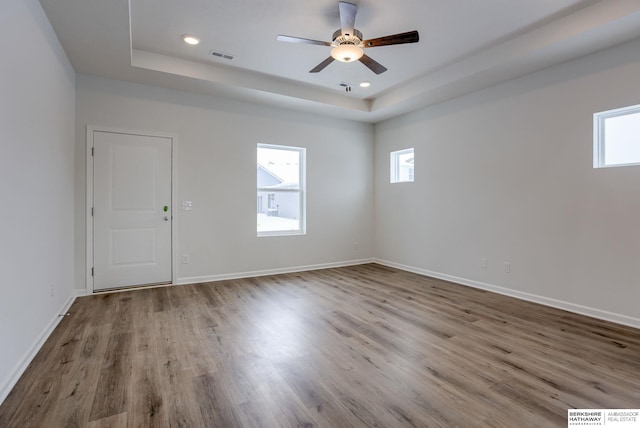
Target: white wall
(37, 113)
(216, 155)
(507, 174)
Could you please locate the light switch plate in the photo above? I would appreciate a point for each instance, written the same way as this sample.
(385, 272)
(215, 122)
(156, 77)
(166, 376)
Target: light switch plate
(187, 205)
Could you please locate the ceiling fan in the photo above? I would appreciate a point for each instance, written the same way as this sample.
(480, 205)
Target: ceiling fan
(348, 43)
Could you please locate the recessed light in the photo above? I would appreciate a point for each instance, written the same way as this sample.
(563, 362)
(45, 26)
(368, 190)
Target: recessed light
(365, 84)
(190, 39)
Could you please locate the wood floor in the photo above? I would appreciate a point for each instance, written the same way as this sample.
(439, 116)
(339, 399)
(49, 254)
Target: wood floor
(357, 346)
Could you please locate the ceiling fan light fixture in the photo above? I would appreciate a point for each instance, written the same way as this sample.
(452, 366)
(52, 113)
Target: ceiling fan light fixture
(347, 53)
(190, 39)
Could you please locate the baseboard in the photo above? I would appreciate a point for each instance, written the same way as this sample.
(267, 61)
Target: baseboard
(559, 304)
(8, 384)
(250, 274)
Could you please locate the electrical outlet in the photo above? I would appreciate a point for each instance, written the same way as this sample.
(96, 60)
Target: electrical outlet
(483, 263)
(507, 267)
(186, 259)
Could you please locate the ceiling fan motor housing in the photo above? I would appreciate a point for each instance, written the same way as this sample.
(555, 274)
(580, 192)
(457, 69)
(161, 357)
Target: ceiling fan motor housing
(347, 39)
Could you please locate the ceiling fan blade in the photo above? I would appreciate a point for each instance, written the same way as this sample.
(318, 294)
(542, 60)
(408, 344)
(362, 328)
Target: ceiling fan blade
(322, 65)
(292, 39)
(347, 17)
(395, 39)
(373, 65)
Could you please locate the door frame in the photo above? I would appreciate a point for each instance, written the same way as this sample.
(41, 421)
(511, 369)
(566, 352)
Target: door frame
(89, 198)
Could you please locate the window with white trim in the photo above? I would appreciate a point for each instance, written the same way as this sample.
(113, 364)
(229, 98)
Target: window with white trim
(401, 166)
(616, 137)
(281, 190)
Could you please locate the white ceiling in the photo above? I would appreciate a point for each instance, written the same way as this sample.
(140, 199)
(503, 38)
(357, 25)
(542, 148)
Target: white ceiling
(465, 45)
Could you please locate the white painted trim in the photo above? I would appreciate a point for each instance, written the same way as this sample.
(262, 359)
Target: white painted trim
(89, 198)
(251, 274)
(88, 206)
(554, 303)
(8, 384)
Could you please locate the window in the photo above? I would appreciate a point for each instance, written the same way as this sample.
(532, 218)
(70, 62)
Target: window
(281, 190)
(616, 137)
(401, 167)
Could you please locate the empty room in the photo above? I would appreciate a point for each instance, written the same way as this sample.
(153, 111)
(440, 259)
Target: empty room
(279, 213)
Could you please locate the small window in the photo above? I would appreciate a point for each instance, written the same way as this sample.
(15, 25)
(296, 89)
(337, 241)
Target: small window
(281, 190)
(616, 136)
(401, 167)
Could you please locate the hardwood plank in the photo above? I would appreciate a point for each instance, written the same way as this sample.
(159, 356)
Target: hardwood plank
(215, 404)
(146, 405)
(80, 383)
(113, 385)
(115, 421)
(356, 346)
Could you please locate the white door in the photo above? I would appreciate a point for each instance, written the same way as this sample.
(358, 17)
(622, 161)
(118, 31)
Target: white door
(131, 210)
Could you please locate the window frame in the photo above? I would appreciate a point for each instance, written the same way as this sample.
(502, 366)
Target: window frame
(302, 157)
(394, 166)
(599, 140)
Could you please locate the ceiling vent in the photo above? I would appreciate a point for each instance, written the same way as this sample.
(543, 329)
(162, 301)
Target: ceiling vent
(220, 55)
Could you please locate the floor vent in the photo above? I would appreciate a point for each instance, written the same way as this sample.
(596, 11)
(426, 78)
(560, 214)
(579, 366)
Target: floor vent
(220, 55)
